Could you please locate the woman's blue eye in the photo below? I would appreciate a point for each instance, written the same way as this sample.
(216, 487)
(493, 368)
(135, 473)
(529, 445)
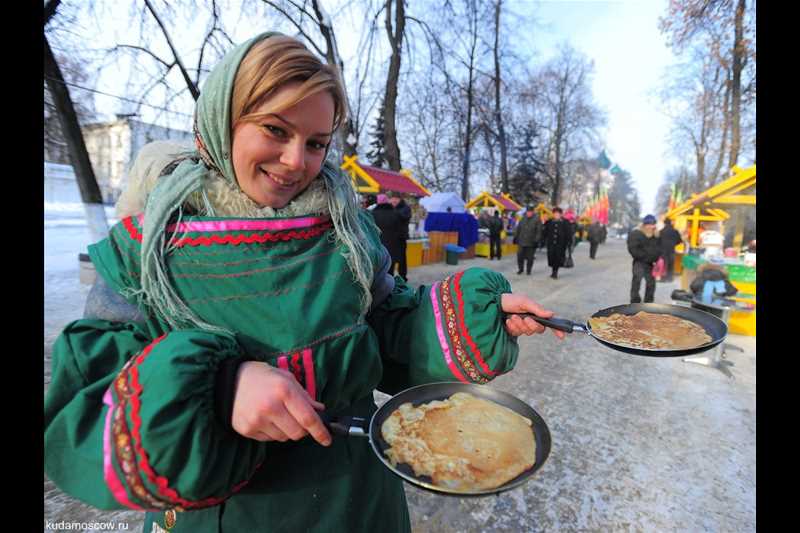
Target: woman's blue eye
(315, 145)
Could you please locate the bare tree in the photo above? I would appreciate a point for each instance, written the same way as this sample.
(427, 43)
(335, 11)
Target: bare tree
(498, 115)
(571, 117)
(726, 29)
(696, 99)
(84, 174)
(395, 30)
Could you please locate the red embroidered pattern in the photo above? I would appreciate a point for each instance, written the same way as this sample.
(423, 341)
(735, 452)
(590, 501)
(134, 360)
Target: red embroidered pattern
(465, 332)
(301, 369)
(122, 439)
(262, 237)
(455, 339)
(133, 231)
(168, 496)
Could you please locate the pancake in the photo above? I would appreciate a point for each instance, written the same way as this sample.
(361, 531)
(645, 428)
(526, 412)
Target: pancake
(649, 331)
(462, 443)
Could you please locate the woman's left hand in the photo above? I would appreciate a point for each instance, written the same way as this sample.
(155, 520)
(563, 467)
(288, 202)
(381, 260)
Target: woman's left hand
(516, 325)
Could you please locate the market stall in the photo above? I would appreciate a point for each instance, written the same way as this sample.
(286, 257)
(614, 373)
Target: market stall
(708, 205)
(369, 180)
(503, 203)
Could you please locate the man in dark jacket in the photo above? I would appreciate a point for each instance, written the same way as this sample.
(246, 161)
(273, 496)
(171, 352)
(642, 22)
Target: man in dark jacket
(389, 222)
(669, 238)
(495, 225)
(644, 246)
(557, 238)
(404, 212)
(527, 236)
(595, 238)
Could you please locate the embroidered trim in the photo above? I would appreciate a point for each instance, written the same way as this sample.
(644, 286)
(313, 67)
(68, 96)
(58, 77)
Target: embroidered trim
(246, 224)
(129, 444)
(302, 370)
(109, 474)
(465, 332)
(263, 237)
(249, 239)
(455, 339)
(308, 364)
(122, 438)
(440, 333)
(133, 231)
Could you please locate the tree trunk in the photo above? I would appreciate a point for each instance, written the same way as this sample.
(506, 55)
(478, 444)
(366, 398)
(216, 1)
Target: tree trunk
(468, 133)
(736, 90)
(501, 132)
(391, 147)
(84, 175)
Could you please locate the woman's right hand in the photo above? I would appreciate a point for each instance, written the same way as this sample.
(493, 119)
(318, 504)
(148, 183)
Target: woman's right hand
(269, 405)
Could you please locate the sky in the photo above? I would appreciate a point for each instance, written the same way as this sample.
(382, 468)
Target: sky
(630, 57)
(620, 36)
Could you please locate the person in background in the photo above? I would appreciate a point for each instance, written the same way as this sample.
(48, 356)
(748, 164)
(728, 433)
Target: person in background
(404, 212)
(645, 248)
(449, 209)
(557, 239)
(527, 236)
(391, 225)
(711, 283)
(595, 238)
(670, 238)
(495, 225)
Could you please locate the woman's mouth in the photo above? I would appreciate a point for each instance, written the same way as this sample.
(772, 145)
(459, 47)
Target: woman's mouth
(284, 183)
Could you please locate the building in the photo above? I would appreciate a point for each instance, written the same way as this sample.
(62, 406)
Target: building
(113, 145)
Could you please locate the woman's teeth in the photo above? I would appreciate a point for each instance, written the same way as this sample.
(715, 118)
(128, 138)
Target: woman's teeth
(279, 181)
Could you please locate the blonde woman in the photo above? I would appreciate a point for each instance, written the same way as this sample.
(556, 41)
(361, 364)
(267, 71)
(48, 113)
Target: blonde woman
(242, 292)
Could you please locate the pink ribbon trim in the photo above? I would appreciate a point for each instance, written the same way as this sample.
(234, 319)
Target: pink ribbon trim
(440, 334)
(243, 224)
(110, 475)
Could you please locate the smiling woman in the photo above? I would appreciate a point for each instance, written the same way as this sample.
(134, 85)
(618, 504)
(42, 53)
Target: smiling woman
(277, 157)
(257, 294)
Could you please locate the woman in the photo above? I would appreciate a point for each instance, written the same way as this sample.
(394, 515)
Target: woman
(242, 292)
(557, 236)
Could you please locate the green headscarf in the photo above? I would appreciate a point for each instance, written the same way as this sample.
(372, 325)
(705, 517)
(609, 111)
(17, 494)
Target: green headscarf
(213, 158)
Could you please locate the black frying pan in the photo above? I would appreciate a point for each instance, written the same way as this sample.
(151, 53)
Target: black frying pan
(354, 426)
(716, 328)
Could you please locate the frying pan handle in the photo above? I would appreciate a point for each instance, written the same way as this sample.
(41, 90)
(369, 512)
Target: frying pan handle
(345, 425)
(561, 324)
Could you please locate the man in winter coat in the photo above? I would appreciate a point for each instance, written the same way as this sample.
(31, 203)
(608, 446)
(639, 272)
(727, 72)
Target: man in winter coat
(527, 236)
(595, 238)
(495, 225)
(557, 237)
(389, 222)
(404, 212)
(644, 246)
(670, 238)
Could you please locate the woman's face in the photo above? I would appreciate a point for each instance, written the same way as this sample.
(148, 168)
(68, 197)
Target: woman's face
(277, 157)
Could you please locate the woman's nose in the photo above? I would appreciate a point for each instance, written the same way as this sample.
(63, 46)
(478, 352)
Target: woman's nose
(294, 156)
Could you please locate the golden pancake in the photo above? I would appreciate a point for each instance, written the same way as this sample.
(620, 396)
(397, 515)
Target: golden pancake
(649, 331)
(463, 443)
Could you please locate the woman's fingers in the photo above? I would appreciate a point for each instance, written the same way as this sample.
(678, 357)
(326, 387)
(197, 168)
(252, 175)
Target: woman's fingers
(302, 413)
(517, 303)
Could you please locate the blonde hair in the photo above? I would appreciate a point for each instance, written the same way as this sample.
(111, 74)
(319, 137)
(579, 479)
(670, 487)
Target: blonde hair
(274, 62)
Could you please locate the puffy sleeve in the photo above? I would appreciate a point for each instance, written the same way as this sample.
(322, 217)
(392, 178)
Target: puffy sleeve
(452, 330)
(132, 422)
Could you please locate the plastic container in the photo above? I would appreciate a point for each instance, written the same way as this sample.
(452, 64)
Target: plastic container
(452, 252)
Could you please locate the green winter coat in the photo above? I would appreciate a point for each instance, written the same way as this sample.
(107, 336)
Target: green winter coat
(137, 415)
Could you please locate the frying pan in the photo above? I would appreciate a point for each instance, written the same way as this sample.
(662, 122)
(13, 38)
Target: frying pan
(716, 328)
(360, 427)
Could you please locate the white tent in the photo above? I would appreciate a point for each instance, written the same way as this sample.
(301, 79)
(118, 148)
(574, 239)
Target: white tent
(438, 202)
